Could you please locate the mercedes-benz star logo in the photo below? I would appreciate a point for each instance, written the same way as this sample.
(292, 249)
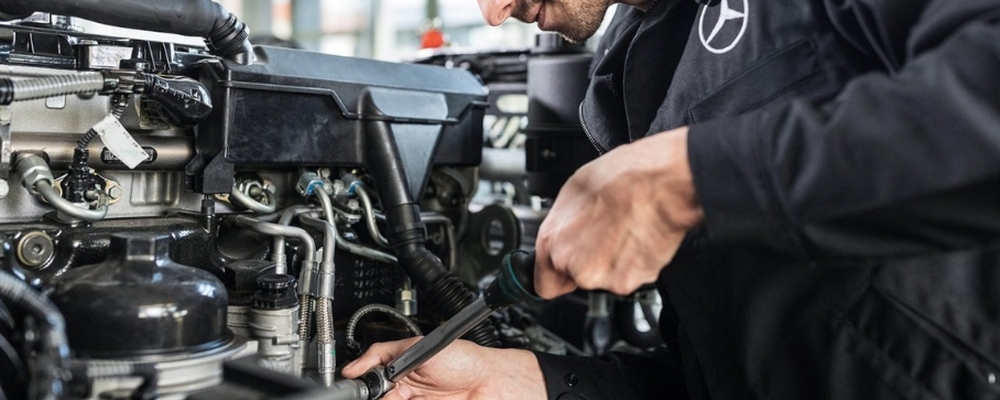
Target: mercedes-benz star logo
(726, 14)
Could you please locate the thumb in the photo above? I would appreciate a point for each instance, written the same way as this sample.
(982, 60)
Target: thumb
(377, 354)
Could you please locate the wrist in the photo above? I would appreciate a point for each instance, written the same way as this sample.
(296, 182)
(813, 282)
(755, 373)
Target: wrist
(515, 365)
(680, 207)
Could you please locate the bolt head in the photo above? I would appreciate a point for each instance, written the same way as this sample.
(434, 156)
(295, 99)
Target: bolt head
(115, 192)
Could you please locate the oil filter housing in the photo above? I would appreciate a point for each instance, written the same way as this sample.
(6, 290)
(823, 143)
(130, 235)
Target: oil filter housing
(138, 302)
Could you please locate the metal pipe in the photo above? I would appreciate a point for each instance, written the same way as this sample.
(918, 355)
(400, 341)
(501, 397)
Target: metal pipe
(305, 275)
(37, 178)
(449, 235)
(306, 300)
(329, 235)
(355, 248)
(63, 205)
(171, 152)
(324, 307)
(358, 249)
(246, 201)
(370, 222)
(433, 217)
(327, 204)
(278, 248)
(271, 229)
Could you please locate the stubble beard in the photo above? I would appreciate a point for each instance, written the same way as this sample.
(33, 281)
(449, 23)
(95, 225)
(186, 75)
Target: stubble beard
(582, 18)
(579, 19)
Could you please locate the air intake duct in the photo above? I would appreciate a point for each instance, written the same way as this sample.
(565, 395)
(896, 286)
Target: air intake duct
(224, 34)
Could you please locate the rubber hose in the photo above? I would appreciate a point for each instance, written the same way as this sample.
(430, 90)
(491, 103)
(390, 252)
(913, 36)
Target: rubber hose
(625, 321)
(47, 380)
(224, 34)
(445, 293)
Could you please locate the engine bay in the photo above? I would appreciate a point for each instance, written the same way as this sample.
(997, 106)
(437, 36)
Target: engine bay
(166, 209)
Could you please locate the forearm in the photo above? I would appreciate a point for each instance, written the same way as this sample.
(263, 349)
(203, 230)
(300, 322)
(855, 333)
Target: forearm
(517, 376)
(663, 177)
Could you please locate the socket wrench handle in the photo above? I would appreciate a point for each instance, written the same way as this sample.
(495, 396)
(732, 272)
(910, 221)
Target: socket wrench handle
(514, 284)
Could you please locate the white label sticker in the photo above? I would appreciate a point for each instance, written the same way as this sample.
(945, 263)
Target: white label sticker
(120, 142)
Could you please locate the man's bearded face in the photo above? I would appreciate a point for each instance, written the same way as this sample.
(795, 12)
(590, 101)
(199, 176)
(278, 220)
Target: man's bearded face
(577, 20)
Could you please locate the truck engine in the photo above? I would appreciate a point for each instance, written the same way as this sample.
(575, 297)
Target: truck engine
(166, 208)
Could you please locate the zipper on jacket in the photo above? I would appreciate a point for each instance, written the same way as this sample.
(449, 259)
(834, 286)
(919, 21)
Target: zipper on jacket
(583, 124)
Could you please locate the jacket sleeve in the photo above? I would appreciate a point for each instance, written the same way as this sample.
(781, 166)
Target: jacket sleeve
(901, 162)
(655, 375)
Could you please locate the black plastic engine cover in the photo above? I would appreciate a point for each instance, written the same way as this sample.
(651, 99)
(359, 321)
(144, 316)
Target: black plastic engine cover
(295, 108)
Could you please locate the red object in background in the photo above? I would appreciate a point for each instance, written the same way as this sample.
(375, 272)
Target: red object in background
(432, 38)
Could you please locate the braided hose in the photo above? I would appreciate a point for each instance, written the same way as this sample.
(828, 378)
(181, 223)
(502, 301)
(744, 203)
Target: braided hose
(324, 339)
(324, 315)
(352, 325)
(39, 88)
(305, 316)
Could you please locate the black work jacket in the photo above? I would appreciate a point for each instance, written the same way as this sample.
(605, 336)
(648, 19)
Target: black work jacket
(847, 155)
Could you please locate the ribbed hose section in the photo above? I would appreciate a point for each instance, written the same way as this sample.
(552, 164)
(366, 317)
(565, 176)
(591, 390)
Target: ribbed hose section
(445, 293)
(229, 39)
(39, 88)
(324, 314)
(117, 110)
(448, 295)
(305, 316)
(81, 145)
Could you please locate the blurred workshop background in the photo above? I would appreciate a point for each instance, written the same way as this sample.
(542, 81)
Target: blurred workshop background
(391, 30)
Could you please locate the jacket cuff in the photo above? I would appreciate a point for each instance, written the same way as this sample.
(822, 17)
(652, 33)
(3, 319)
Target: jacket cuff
(735, 186)
(613, 376)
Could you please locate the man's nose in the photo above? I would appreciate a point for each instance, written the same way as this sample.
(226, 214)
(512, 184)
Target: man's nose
(496, 11)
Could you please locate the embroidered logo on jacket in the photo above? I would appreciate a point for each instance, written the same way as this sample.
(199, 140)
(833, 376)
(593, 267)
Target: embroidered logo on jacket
(721, 26)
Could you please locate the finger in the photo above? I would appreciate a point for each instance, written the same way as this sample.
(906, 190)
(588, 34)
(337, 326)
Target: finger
(550, 283)
(377, 354)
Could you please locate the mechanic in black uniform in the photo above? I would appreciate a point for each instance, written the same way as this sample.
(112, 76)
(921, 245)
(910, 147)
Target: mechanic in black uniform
(823, 178)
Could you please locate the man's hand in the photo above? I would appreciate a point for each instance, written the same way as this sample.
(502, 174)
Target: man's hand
(463, 370)
(619, 219)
